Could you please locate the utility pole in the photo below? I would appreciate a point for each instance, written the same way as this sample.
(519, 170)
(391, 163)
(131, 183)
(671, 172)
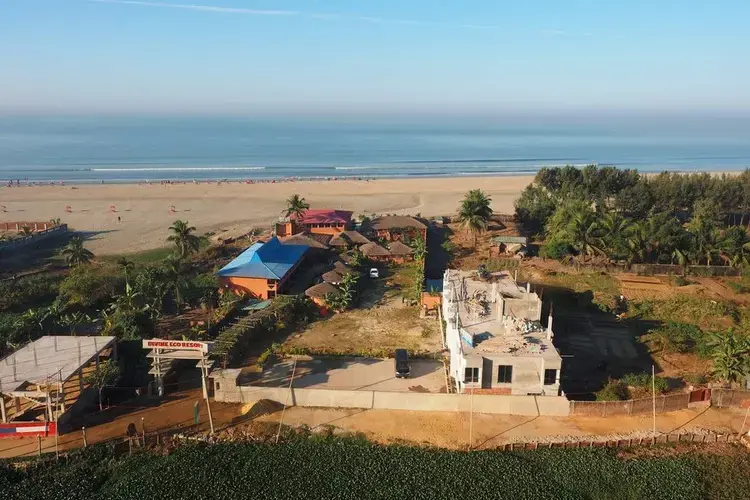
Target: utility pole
(204, 369)
(653, 394)
(471, 419)
(281, 420)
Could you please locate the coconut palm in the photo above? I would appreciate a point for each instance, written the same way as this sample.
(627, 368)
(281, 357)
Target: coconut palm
(296, 206)
(75, 253)
(183, 238)
(576, 223)
(614, 231)
(475, 212)
(175, 279)
(735, 246)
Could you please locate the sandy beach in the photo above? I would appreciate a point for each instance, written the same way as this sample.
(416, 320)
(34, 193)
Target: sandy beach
(232, 208)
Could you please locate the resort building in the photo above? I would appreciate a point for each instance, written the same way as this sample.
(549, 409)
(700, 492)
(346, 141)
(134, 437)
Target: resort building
(348, 239)
(319, 221)
(496, 341)
(263, 269)
(398, 227)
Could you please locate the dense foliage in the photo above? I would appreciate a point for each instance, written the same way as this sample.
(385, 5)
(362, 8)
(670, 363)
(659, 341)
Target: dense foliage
(624, 216)
(335, 468)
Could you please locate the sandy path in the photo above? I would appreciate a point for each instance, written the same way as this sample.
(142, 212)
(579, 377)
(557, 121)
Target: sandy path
(236, 208)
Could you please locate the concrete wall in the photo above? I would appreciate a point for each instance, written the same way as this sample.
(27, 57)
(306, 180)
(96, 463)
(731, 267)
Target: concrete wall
(34, 238)
(380, 400)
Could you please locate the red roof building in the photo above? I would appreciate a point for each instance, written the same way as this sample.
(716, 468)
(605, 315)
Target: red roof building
(318, 221)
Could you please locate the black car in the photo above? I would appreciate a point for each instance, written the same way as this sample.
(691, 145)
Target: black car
(403, 370)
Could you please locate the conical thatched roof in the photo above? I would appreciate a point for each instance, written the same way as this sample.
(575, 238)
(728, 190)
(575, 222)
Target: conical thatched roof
(374, 250)
(398, 248)
(341, 268)
(307, 239)
(333, 276)
(346, 238)
(320, 290)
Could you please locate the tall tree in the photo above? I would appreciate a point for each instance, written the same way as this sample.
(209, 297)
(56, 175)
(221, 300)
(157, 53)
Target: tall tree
(475, 212)
(297, 206)
(104, 374)
(184, 240)
(614, 231)
(575, 222)
(75, 253)
(420, 248)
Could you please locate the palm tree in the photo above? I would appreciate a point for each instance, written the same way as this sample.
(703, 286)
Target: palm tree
(296, 206)
(576, 224)
(26, 231)
(736, 246)
(183, 238)
(614, 231)
(175, 279)
(75, 253)
(475, 212)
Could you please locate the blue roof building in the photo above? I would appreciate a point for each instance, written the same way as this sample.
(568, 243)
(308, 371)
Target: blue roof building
(270, 260)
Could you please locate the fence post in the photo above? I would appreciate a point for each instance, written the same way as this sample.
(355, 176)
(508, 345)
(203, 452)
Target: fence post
(83, 431)
(604, 409)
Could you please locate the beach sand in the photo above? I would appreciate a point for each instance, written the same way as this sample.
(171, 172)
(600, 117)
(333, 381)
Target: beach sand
(231, 209)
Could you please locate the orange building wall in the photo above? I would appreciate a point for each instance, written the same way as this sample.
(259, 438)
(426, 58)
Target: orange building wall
(257, 287)
(325, 230)
(430, 301)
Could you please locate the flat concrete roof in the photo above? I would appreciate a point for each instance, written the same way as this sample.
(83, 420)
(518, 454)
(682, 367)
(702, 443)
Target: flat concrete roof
(41, 360)
(366, 374)
(479, 311)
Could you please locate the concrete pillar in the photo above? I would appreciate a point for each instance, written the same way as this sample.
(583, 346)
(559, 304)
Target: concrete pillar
(2, 411)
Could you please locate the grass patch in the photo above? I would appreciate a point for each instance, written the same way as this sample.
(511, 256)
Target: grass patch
(707, 314)
(401, 282)
(597, 289)
(144, 257)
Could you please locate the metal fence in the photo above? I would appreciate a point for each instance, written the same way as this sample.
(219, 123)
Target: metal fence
(664, 403)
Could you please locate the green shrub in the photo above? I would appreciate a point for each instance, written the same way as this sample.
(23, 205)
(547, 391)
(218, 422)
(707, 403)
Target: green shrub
(90, 285)
(28, 292)
(643, 381)
(556, 249)
(614, 390)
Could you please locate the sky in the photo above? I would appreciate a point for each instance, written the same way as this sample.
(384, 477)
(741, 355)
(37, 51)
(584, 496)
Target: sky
(373, 56)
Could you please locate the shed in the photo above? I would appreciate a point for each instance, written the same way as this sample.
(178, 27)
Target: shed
(400, 249)
(373, 250)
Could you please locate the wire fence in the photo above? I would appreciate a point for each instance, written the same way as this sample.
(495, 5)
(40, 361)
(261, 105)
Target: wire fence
(664, 403)
(627, 443)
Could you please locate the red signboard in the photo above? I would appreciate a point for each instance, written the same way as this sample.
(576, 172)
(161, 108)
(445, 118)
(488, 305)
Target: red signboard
(183, 345)
(28, 429)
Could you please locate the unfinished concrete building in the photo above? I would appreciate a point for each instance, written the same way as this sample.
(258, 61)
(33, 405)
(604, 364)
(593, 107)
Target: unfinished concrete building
(496, 341)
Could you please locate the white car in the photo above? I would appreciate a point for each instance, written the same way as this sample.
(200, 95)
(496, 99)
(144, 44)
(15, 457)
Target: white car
(374, 273)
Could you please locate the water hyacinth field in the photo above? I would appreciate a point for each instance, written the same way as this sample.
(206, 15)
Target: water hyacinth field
(347, 469)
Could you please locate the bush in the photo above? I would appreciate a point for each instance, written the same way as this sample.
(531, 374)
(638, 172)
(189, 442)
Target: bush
(25, 293)
(556, 249)
(643, 381)
(677, 337)
(614, 390)
(89, 285)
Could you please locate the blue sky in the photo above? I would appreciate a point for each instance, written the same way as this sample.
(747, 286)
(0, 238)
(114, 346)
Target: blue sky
(348, 56)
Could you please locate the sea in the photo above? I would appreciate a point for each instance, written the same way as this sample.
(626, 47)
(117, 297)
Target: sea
(129, 149)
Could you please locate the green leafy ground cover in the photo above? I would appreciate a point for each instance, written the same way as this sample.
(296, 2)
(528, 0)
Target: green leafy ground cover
(347, 468)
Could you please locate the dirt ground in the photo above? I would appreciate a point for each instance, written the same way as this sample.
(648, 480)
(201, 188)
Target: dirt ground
(380, 323)
(452, 430)
(173, 412)
(467, 253)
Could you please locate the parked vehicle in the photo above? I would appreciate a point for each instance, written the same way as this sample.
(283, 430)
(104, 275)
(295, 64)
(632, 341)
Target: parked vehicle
(374, 273)
(403, 368)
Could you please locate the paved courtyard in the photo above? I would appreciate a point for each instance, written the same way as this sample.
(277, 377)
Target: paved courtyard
(353, 374)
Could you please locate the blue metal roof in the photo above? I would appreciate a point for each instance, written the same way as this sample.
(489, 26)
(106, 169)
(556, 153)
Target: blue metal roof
(270, 260)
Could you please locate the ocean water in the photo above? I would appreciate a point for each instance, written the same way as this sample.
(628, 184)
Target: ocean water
(131, 149)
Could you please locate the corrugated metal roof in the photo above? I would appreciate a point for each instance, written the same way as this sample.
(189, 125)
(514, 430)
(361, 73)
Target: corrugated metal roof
(270, 260)
(510, 239)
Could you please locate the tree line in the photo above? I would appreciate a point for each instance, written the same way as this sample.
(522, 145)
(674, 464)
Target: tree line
(622, 215)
